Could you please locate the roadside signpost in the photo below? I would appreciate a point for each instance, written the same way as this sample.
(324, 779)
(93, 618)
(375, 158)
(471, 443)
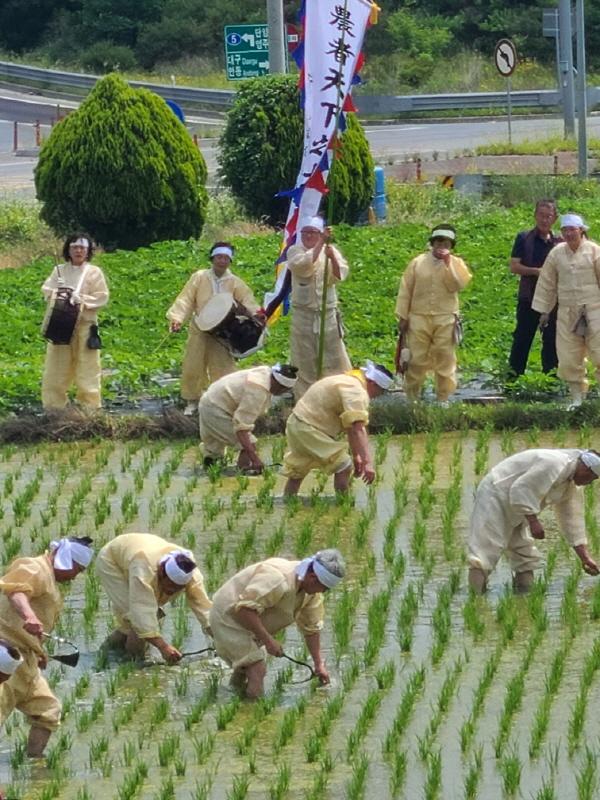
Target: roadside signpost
(246, 51)
(505, 58)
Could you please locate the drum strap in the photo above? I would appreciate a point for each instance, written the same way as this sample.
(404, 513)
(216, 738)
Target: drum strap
(77, 289)
(218, 282)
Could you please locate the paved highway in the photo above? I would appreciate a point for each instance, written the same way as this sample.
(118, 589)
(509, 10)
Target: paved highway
(389, 143)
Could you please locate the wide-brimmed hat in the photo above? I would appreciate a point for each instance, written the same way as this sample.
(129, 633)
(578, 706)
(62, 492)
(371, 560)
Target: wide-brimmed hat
(573, 221)
(214, 312)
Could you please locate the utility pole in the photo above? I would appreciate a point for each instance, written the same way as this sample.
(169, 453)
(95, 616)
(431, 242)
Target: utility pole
(566, 65)
(277, 61)
(581, 89)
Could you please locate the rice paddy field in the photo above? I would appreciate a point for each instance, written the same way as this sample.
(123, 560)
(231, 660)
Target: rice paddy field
(434, 693)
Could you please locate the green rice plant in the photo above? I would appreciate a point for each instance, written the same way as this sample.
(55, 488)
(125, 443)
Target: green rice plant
(361, 531)
(377, 614)
(55, 753)
(287, 726)
(180, 766)
(433, 779)
(82, 794)
(226, 712)
(587, 776)
(546, 791)
(203, 789)
(159, 712)
(507, 441)
(97, 750)
(167, 750)
(398, 772)
(441, 623)
(412, 691)
(489, 671)
(511, 769)
(507, 614)
(355, 787)
(482, 450)
(569, 610)
(18, 754)
(512, 703)
(343, 618)
(129, 507)
(166, 790)
(278, 789)
(182, 682)
(418, 541)
(552, 685)
(128, 753)
(132, 782)
(473, 776)
(203, 747)
(472, 616)
(385, 676)
(240, 787)
(275, 541)
(406, 617)
(365, 719)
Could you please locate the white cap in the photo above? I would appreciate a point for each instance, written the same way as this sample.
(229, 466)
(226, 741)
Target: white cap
(173, 570)
(8, 664)
(284, 380)
(373, 373)
(591, 460)
(313, 222)
(443, 233)
(573, 221)
(68, 552)
(222, 251)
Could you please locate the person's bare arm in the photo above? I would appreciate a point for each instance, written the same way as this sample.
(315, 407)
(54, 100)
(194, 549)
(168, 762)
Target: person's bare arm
(249, 447)
(587, 562)
(170, 654)
(313, 642)
(248, 618)
(20, 602)
(518, 268)
(358, 440)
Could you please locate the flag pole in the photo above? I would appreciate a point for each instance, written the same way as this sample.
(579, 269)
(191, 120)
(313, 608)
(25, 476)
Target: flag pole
(330, 207)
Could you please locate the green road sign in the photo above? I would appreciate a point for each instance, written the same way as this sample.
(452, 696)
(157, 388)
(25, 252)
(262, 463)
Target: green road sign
(246, 51)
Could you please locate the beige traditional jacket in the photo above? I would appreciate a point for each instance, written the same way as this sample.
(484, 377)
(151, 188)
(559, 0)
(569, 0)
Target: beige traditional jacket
(202, 286)
(33, 577)
(244, 396)
(93, 291)
(136, 557)
(270, 588)
(307, 278)
(332, 404)
(569, 278)
(529, 481)
(429, 286)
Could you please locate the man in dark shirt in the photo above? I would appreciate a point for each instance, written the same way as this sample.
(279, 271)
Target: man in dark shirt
(528, 255)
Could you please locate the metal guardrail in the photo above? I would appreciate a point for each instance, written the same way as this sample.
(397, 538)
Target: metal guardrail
(366, 104)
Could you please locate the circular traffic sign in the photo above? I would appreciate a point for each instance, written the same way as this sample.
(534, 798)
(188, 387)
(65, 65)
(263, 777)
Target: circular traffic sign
(233, 38)
(505, 57)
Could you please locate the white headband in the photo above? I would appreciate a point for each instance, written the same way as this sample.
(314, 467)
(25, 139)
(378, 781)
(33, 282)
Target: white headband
(67, 552)
(372, 373)
(313, 222)
(282, 379)
(81, 242)
(324, 576)
(172, 568)
(572, 221)
(443, 233)
(222, 251)
(8, 664)
(591, 460)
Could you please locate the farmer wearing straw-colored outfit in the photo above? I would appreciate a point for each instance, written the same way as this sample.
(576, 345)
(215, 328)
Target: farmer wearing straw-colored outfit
(206, 359)
(571, 276)
(10, 660)
(332, 406)
(427, 312)
(507, 504)
(75, 362)
(30, 602)
(306, 262)
(264, 598)
(230, 407)
(141, 572)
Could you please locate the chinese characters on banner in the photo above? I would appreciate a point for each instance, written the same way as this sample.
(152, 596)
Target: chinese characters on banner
(333, 33)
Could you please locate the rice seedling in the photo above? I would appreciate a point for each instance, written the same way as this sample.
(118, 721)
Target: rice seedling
(240, 787)
(128, 753)
(406, 617)
(489, 671)
(167, 750)
(511, 769)
(129, 507)
(546, 791)
(343, 618)
(226, 712)
(364, 721)
(441, 624)
(355, 788)
(203, 747)
(433, 779)
(18, 754)
(377, 613)
(55, 753)
(278, 789)
(507, 615)
(166, 790)
(275, 541)
(132, 781)
(587, 776)
(473, 776)
(287, 725)
(482, 450)
(82, 794)
(98, 748)
(412, 691)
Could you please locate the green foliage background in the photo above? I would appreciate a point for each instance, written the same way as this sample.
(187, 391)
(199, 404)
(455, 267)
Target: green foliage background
(144, 283)
(123, 168)
(261, 148)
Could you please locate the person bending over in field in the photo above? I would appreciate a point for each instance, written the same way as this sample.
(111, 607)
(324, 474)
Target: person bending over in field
(230, 407)
(30, 602)
(261, 600)
(339, 403)
(10, 660)
(140, 573)
(507, 504)
(427, 312)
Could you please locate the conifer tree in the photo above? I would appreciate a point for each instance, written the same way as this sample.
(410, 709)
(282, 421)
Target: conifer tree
(123, 167)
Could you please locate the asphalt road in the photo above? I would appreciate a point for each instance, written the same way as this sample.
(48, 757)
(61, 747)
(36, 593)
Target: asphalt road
(389, 143)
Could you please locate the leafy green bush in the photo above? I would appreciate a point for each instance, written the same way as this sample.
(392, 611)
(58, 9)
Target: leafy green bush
(103, 57)
(123, 168)
(261, 150)
(19, 222)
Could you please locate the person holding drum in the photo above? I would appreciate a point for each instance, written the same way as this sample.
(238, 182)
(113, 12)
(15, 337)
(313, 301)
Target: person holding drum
(74, 292)
(230, 407)
(307, 262)
(207, 357)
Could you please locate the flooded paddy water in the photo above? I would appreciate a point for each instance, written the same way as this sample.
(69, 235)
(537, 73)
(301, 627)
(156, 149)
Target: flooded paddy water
(434, 693)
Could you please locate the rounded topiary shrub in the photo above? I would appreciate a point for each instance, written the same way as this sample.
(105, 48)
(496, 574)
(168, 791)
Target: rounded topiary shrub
(123, 168)
(261, 150)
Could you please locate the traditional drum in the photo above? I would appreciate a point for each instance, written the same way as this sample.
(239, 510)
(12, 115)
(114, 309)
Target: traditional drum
(223, 318)
(61, 317)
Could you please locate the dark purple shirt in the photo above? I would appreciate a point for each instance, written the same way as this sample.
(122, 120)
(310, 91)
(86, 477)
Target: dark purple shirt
(532, 250)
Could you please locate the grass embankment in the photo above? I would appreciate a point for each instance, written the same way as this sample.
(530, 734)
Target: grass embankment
(537, 147)
(138, 353)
